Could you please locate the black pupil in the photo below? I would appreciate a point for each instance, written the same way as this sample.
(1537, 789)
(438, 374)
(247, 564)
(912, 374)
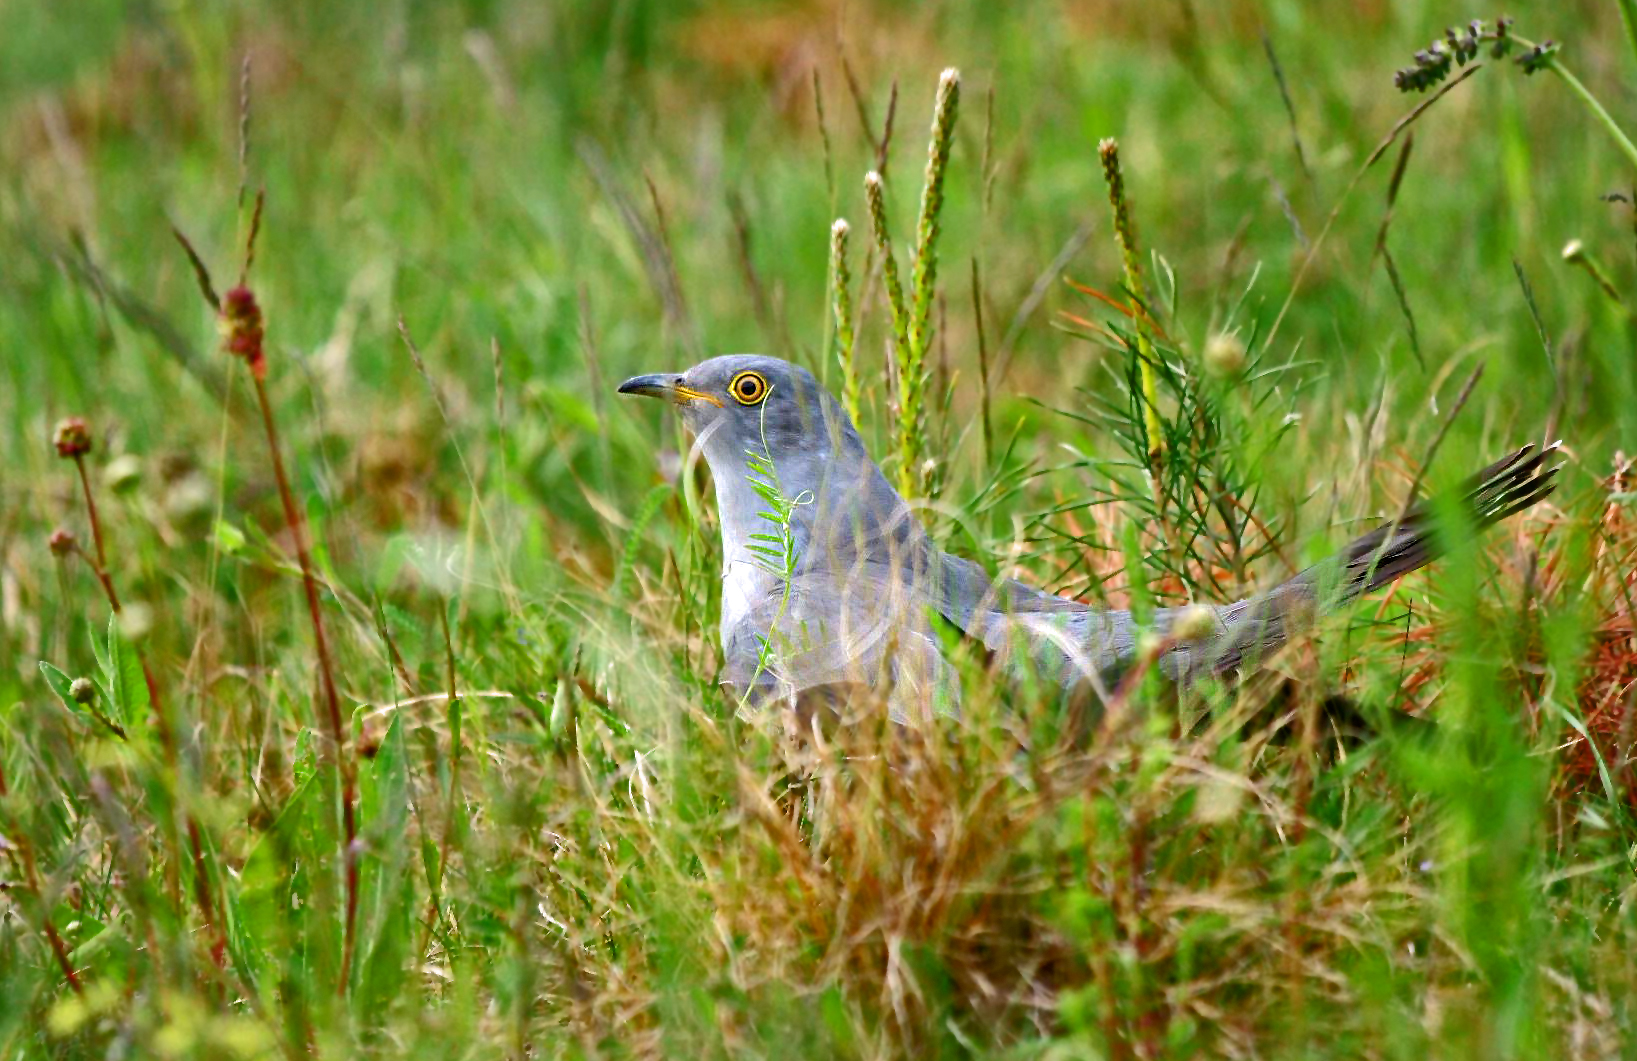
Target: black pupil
(747, 387)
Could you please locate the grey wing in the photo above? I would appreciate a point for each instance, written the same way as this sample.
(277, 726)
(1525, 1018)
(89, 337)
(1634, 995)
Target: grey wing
(1034, 634)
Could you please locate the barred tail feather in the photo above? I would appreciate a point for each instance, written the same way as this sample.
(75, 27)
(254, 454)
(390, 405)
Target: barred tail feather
(1261, 624)
(1508, 486)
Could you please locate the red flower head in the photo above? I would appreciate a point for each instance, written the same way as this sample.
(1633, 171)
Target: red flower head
(242, 331)
(72, 438)
(62, 542)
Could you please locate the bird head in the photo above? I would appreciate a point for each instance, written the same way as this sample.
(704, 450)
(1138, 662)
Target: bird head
(741, 405)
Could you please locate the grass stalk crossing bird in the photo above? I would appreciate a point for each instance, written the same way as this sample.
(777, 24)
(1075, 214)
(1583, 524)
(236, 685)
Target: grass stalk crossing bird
(830, 583)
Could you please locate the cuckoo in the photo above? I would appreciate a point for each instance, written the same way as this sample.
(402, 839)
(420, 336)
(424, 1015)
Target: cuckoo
(830, 584)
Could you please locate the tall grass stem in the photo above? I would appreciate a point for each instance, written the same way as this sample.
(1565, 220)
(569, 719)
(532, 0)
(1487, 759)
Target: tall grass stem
(332, 700)
(1595, 107)
(1628, 15)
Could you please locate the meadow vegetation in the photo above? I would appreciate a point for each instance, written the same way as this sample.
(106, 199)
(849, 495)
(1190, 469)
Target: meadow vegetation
(358, 658)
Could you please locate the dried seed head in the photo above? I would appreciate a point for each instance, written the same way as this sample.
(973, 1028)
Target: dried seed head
(1224, 354)
(62, 542)
(135, 621)
(840, 229)
(72, 438)
(123, 473)
(242, 329)
(82, 691)
(1194, 623)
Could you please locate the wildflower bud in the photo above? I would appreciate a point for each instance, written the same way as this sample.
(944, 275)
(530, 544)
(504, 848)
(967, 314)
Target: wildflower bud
(1149, 646)
(82, 691)
(62, 542)
(1574, 251)
(1224, 354)
(72, 438)
(242, 330)
(123, 473)
(1194, 623)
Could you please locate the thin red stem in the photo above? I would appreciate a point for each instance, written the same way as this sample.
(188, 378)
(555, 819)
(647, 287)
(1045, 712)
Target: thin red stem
(91, 510)
(60, 949)
(32, 878)
(103, 578)
(99, 565)
(332, 701)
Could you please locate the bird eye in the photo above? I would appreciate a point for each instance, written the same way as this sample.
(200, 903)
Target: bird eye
(748, 388)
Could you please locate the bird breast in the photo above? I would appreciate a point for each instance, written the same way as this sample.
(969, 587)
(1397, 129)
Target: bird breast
(744, 587)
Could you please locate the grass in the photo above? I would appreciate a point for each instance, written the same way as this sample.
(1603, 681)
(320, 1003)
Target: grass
(568, 840)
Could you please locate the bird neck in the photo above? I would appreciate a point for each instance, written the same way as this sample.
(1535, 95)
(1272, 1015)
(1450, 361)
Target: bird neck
(838, 503)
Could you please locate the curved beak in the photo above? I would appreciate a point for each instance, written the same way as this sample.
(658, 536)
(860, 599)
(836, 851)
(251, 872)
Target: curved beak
(666, 385)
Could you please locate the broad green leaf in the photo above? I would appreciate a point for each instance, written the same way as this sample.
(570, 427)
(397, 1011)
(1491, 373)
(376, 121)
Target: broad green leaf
(128, 688)
(60, 683)
(383, 815)
(306, 758)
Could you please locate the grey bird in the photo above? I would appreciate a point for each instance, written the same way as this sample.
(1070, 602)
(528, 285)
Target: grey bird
(831, 585)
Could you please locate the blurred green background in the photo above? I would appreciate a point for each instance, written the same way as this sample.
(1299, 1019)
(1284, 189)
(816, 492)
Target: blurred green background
(466, 165)
(595, 189)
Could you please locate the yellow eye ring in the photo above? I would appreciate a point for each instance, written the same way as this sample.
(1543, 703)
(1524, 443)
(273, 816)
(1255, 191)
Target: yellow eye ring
(748, 388)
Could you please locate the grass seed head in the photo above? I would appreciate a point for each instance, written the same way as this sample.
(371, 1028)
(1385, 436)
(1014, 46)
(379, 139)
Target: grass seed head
(1434, 63)
(842, 312)
(1539, 57)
